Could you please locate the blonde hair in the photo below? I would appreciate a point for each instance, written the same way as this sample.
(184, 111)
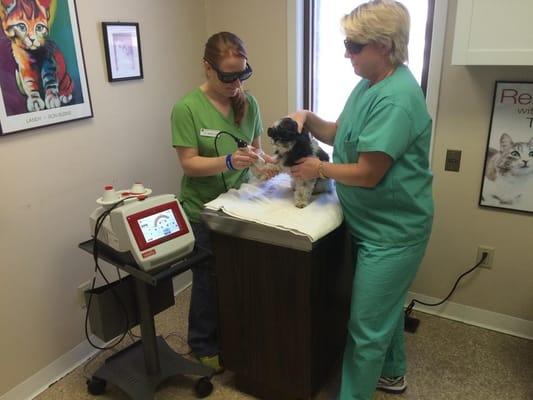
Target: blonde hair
(380, 21)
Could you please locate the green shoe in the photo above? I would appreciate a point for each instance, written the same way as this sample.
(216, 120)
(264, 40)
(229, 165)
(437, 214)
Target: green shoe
(212, 362)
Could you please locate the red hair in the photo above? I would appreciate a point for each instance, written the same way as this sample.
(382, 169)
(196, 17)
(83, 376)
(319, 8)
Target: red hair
(221, 45)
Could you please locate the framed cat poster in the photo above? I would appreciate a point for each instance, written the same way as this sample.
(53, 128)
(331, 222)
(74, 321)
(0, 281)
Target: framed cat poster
(42, 70)
(122, 51)
(508, 172)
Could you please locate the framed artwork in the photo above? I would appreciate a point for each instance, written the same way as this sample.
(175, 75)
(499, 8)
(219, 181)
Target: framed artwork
(508, 171)
(122, 51)
(46, 82)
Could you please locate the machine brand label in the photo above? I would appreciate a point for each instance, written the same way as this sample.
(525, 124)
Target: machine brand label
(148, 253)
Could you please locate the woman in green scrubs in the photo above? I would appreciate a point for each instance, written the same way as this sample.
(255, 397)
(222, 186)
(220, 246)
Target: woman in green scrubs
(381, 167)
(212, 164)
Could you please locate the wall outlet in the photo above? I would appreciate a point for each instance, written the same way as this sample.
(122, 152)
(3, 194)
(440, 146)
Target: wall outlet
(490, 256)
(81, 292)
(453, 160)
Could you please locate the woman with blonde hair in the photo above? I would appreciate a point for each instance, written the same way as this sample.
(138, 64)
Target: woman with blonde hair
(381, 167)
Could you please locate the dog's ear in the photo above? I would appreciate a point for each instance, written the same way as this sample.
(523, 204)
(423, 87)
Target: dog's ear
(289, 124)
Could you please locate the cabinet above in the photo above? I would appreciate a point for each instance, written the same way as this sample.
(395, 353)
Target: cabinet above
(493, 32)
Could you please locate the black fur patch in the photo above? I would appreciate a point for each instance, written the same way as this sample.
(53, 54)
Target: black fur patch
(286, 133)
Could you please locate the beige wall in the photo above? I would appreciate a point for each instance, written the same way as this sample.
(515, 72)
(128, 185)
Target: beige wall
(263, 27)
(51, 177)
(460, 224)
(56, 173)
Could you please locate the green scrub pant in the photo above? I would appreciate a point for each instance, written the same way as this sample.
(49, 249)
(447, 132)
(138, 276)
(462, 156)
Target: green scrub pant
(375, 340)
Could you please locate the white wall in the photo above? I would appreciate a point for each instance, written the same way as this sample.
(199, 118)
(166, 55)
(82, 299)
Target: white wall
(51, 177)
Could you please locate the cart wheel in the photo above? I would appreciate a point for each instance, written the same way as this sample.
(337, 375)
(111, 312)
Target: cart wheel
(96, 386)
(203, 387)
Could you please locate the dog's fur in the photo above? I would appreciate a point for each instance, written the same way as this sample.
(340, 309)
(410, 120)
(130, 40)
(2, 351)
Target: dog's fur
(289, 146)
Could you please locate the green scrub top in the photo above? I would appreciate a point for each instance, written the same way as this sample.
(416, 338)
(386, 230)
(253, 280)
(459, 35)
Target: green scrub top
(195, 123)
(389, 117)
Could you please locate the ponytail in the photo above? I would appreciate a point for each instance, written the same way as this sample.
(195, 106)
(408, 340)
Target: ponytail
(219, 45)
(238, 103)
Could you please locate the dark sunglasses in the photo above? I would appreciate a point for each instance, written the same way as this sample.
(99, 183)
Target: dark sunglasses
(229, 77)
(353, 47)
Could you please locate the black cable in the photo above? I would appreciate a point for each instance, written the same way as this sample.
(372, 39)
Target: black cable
(98, 225)
(240, 144)
(132, 335)
(412, 303)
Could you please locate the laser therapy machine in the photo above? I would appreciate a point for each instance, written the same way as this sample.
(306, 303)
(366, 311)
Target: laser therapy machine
(154, 230)
(152, 240)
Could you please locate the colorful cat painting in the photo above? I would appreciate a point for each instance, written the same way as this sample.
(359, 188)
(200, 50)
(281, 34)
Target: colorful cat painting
(41, 73)
(508, 177)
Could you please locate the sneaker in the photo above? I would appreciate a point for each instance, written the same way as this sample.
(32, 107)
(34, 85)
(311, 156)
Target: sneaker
(212, 362)
(395, 385)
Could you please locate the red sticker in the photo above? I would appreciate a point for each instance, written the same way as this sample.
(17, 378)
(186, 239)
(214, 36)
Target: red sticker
(148, 253)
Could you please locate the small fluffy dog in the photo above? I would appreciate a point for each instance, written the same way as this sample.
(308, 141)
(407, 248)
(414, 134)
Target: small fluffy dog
(289, 146)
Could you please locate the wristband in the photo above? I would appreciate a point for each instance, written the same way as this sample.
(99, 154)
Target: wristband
(229, 164)
(321, 171)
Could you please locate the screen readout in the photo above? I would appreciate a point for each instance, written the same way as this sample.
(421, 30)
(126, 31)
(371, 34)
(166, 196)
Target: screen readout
(157, 226)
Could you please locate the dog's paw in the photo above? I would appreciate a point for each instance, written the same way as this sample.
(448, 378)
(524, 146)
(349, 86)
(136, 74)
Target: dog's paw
(263, 177)
(301, 203)
(265, 172)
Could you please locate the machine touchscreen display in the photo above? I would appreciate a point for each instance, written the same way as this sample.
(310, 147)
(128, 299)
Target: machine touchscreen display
(159, 225)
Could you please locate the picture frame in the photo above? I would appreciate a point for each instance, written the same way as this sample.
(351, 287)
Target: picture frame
(122, 45)
(43, 88)
(507, 181)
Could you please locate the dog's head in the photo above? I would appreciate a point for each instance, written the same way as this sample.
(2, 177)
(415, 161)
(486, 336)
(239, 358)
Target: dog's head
(284, 135)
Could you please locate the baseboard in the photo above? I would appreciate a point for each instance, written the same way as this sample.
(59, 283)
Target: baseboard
(475, 316)
(40, 381)
(182, 282)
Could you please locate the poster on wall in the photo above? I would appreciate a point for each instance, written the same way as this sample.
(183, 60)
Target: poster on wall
(508, 172)
(122, 51)
(42, 71)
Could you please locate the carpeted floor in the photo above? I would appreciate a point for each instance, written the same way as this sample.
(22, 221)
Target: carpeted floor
(447, 360)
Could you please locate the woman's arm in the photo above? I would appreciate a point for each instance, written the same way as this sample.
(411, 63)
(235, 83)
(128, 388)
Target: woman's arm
(196, 166)
(367, 172)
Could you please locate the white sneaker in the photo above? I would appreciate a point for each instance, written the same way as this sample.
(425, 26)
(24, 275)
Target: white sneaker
(395, 385)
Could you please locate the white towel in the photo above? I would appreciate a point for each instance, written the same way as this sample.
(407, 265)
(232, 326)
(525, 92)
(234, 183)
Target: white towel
(271, 203)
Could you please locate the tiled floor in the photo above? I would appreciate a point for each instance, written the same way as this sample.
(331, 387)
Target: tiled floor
(447, 361)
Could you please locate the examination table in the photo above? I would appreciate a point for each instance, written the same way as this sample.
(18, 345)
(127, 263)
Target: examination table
(283, 296)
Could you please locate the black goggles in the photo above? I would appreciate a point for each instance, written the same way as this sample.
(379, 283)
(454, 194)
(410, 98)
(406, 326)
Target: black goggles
(229, 77)
(353, 47)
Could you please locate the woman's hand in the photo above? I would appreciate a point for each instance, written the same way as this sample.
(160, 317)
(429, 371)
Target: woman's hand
(243, 158)
(300, 117)
(306, 168)
(269, 159)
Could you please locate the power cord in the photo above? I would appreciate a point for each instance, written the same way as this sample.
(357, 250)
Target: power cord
(97, 269)
(130, 332)
(411, 323)
(240, 144)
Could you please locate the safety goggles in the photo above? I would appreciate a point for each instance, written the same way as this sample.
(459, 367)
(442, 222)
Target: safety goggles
(229, 77)
(353, 47)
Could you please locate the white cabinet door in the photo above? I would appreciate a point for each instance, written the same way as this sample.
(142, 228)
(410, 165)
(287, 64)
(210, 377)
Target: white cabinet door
(493, 32)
